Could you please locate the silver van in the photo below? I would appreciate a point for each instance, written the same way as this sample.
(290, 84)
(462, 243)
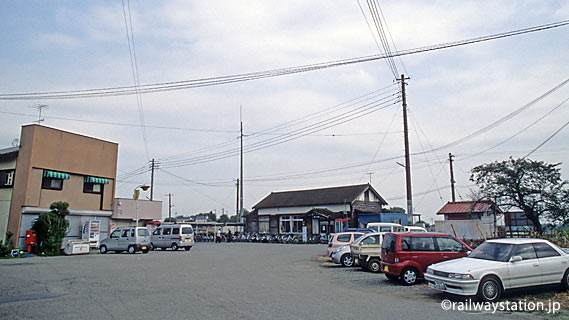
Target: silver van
(173, 236)
(125, 239)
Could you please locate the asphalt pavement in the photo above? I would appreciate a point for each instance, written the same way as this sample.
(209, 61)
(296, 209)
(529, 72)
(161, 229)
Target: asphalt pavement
(213, 281)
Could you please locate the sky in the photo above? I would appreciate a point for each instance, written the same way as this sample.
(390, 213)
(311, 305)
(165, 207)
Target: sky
(323, 128)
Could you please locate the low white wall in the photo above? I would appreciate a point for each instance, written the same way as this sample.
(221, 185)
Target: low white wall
(467, 229)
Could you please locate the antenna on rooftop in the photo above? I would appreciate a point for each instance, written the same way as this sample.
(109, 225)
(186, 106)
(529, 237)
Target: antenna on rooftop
(39, 107)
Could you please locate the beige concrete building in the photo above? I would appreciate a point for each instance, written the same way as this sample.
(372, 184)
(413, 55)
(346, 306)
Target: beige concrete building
(124, 213)
(54, 165)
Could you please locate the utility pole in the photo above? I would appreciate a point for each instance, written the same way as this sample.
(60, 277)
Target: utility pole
(237, 197)
(407, 158)
(169, 206)
(240, 216)
(152, 181)
(450, 156)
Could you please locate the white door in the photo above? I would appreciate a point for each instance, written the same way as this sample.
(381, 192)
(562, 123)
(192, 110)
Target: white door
(526, 272)
(553, 264)
(315, 226)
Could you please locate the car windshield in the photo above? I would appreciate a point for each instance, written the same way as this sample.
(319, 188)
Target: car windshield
(493, 251)
(359, 240)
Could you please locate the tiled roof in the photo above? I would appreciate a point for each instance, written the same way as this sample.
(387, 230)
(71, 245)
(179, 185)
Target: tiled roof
(315, 197)
(461, 207)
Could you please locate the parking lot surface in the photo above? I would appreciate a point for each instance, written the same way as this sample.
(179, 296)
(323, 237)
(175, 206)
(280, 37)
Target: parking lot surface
(213, 281)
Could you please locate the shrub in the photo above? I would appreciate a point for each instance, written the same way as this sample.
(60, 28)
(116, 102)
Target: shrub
(6, 248)
(51, 228)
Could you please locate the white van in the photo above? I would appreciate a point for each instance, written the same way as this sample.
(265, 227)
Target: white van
(124, 239)
(415, 229)
(173, 236)
(385, 227)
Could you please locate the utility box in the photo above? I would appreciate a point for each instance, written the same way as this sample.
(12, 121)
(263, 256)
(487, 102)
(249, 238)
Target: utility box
(76, 247)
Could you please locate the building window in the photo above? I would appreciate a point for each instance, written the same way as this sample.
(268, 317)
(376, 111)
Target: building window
(52, 183)
(291, 224)
(94, 184)
(53, 179)
(7, 178)
(89, 187)
(263, 223)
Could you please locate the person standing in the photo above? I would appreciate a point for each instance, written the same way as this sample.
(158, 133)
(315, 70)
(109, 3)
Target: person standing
(218, 236)
(229, 236)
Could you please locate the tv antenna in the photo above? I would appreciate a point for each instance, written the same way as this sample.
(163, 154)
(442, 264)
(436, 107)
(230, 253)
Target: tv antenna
(39, 107)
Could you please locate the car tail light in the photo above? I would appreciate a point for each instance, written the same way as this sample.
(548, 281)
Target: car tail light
(330, 245)
(180, 238)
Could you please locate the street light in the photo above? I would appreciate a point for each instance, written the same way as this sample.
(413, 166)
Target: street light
(135, 196)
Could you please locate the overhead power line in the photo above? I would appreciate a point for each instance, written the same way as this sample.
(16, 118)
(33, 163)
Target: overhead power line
(213, 81)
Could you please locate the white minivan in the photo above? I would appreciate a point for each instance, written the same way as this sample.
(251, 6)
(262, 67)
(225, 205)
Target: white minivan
(125, 239)
(173, 236)
(385, 227)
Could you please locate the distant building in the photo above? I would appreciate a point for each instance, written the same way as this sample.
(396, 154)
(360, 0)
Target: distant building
(323, 210)
(469, 219)
(124, 213)
(52, 165)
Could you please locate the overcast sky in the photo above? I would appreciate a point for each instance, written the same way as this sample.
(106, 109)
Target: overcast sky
(322, 128)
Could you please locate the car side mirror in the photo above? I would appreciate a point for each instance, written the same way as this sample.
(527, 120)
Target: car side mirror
(516, 259)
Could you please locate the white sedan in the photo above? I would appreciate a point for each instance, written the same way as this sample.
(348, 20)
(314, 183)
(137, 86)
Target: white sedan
(501, 264)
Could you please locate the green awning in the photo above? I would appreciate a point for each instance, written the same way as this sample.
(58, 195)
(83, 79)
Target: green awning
(96, 180)
(55, 174)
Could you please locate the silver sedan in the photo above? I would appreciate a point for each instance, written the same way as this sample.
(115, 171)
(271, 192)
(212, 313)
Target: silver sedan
(342, 255)
(501, 264)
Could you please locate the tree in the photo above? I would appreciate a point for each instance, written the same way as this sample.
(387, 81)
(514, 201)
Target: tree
(394, 210)
(51, 228)
(223, 218)
(535, 187)
(170, 219)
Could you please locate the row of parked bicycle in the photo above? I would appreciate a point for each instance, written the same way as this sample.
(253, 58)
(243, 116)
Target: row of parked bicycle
(261, 237)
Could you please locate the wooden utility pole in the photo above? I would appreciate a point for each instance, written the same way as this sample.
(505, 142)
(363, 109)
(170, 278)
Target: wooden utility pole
(407, 157)
(169, 206)
(237, 197)
(240, 215)
(450, 156)
(152, 181)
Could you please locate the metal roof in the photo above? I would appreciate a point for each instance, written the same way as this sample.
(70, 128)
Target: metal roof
(462, 207)
(316, 197)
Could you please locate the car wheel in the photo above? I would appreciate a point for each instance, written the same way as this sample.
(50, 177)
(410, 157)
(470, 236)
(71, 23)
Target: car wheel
(174, 246)
(188, 248)
(391, 277)
(409, 276)
(131, 250)
(347, 260)
(489, 289)
(146, 250)
(374, 266)
(565, 280)
(103, 249)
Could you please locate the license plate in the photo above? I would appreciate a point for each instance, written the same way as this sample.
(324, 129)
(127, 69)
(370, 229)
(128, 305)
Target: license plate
(386, 269)
(356, 260)
(187, 240)
(143, 247)
(439, 285)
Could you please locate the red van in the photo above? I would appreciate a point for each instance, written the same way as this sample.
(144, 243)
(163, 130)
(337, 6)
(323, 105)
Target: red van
(406, 255)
